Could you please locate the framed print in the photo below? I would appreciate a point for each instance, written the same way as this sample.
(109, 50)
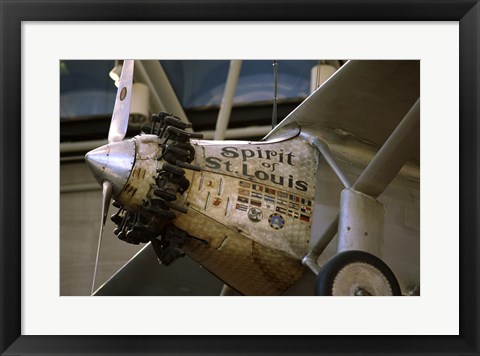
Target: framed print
(41, 315)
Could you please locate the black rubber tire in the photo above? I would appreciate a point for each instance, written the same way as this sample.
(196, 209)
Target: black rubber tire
(328, 273)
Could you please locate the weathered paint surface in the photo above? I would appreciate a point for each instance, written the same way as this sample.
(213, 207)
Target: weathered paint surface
(263, 191)
(289, 165)
(257, 228)
(138, 187)
(245, 265)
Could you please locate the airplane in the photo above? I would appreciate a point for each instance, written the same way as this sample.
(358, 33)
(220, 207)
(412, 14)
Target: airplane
(333, 189)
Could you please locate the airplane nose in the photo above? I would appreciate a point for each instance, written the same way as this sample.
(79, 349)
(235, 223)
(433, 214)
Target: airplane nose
(112, 162)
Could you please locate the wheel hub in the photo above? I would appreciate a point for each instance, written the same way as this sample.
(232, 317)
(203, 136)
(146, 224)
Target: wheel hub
(360, 279)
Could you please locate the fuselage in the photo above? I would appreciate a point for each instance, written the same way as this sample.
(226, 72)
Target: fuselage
(250, 203)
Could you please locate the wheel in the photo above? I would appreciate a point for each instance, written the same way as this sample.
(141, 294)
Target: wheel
(356, 273)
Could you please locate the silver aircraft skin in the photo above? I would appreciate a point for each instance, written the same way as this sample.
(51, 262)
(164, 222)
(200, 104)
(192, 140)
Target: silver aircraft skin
(334, 189)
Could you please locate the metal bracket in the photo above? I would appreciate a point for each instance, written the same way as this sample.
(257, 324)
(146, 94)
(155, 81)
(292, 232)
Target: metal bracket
(361, 223)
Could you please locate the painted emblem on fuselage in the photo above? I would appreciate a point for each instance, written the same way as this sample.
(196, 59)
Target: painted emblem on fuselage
(255, 214)
(217, 201)
(276, 221)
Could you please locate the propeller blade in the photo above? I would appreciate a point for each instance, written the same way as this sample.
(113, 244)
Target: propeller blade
(121, 111)
(107, 190)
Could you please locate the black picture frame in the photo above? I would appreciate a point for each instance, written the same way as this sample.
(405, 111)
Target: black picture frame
(467, 12)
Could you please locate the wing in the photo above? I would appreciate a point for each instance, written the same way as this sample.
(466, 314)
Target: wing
(367, 99)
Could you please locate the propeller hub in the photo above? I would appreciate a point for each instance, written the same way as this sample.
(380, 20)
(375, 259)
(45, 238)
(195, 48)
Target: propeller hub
(113, 163)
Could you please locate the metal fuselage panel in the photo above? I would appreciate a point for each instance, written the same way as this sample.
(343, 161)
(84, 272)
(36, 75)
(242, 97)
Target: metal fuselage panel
(245, 265)
(264, 191)
(253, 203)
(139, 185)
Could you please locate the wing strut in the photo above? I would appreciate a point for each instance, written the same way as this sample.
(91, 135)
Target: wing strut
(310, 260)
(392, 156)
(227, 291)
(324, 150)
